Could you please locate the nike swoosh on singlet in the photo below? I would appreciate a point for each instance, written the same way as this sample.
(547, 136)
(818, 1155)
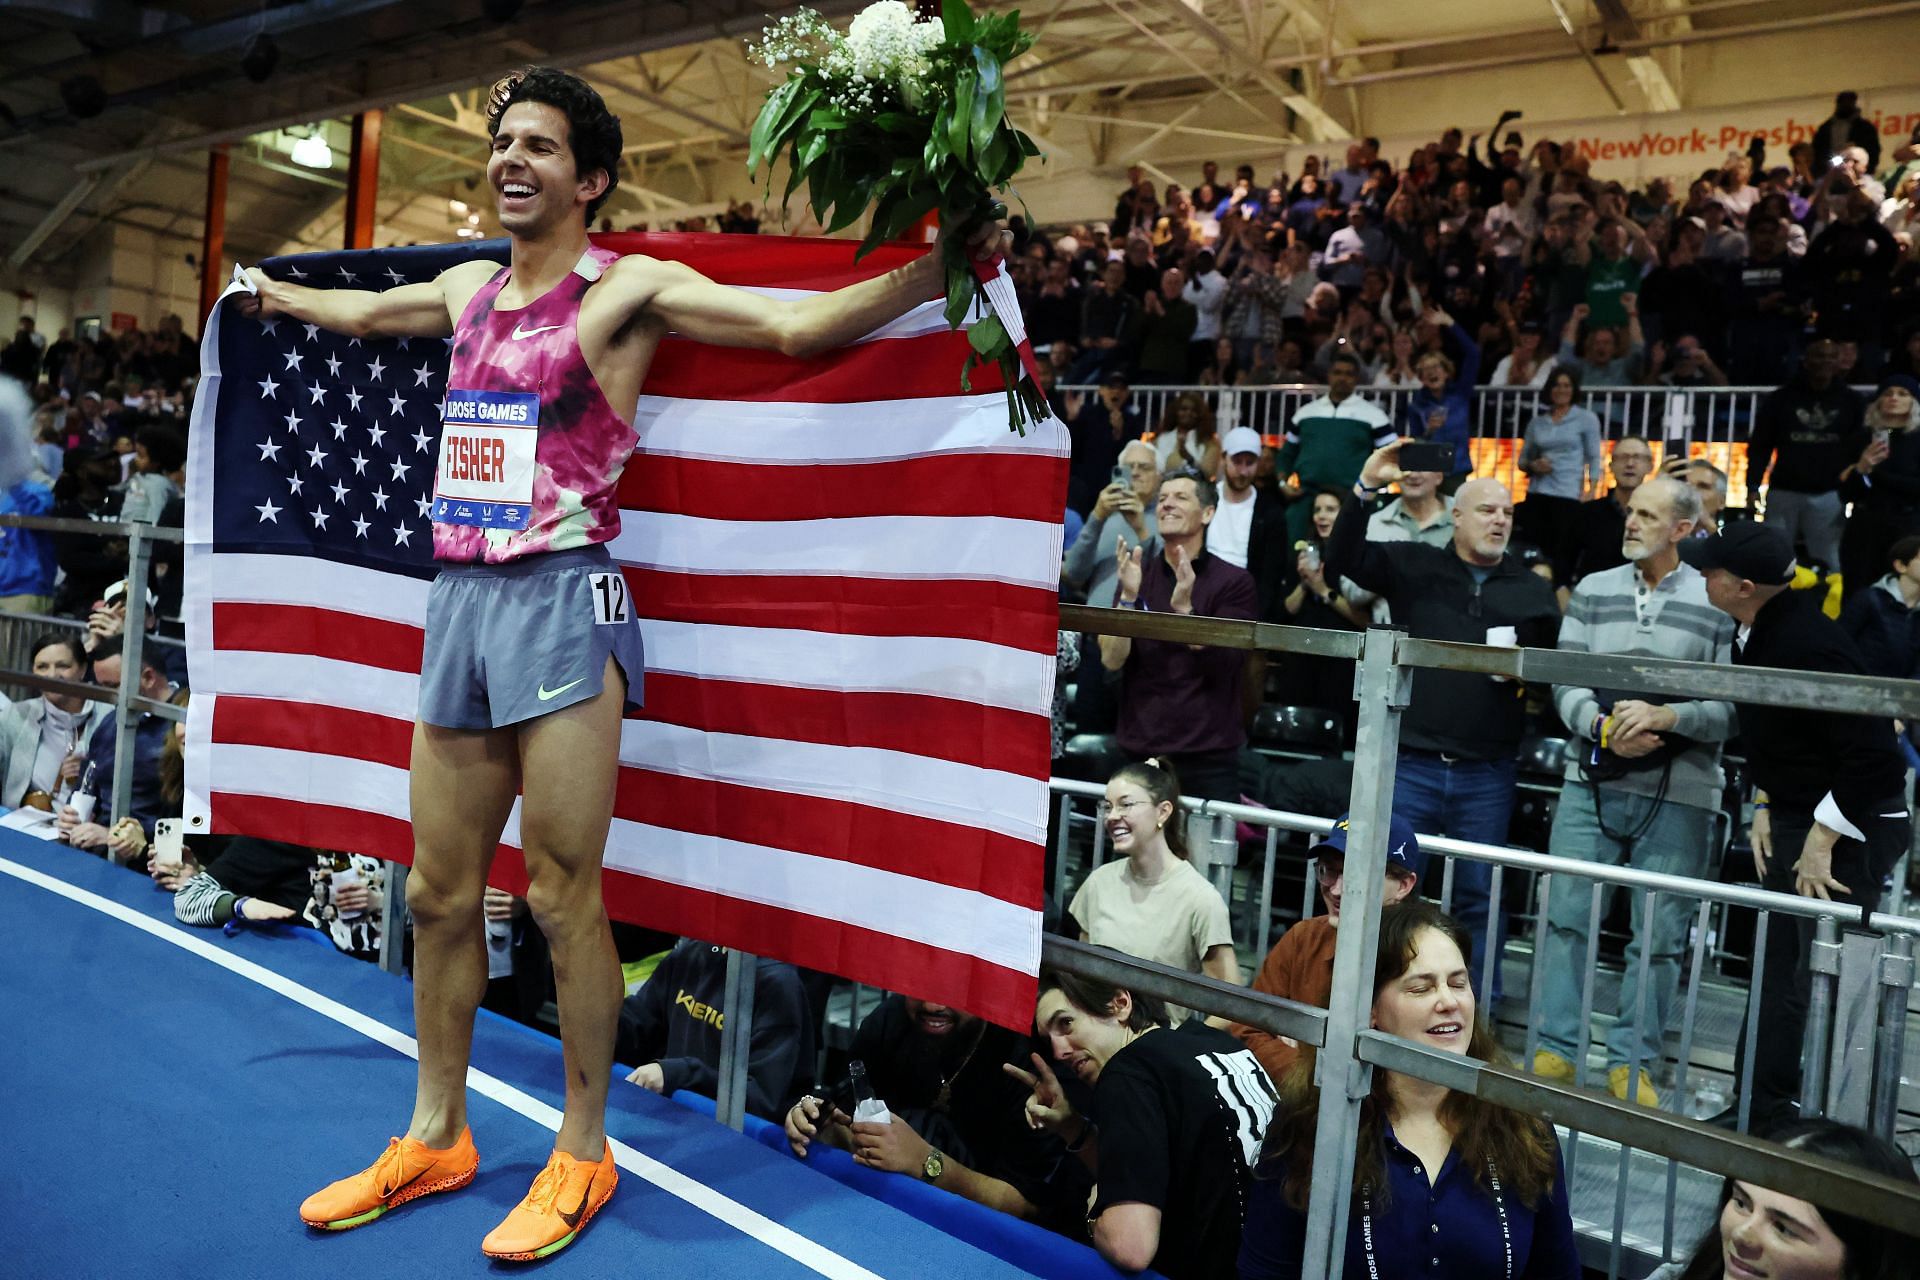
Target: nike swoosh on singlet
(519, 333)
(548, 695)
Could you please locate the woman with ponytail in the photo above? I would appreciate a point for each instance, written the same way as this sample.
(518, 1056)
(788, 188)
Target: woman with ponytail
(1151, 902)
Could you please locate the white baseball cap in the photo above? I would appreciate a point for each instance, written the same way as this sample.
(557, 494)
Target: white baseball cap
(1242, 440)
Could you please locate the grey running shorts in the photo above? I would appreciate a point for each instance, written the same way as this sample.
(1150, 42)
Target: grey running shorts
(510, 642)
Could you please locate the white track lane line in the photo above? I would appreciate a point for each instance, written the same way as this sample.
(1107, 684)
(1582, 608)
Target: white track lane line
(736, 1215)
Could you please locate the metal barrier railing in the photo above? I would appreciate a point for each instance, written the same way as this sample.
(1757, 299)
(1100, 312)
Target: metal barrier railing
(1706, 422)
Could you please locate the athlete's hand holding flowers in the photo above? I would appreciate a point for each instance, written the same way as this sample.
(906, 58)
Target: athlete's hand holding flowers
(907, 117)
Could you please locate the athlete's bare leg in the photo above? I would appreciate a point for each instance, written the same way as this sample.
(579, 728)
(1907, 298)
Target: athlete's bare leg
(569, 761)
(462, 787)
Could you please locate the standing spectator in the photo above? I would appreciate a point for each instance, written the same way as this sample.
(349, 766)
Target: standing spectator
(1808, 439)
(1850, 267)
(1476, 1188)
(1612, 273)
(1561, 456)
(1352, 249)
(1441, 410)
(1397, 371)
(1345, 184)
(1523, 366)
(1844, 128)
(1884, 490)
(1460, 732)
(1828, 788)
(1881, 617)
(1642, 789)
(671, 1027)
(1176, 1120)
(1186, 436)
(1107, 319)
(1328, 441)
(27, 566)
(1207, 291)
(1765, 305)
(1686, 294)
(1103, 425)
(1256, 309)
(159, 474)
(1720, 241)
(20, 359)
(1509, 227)
(1250, 522)
(1710, 482)
(1150, 901)
(1603, 521)
(1604, 364)
(1177, 701)
(1053, 313)
(1166, 326)
(1420, 514)
(1300, 966)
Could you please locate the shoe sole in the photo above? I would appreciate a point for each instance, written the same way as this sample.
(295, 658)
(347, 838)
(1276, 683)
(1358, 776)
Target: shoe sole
(412, 1191)
(548, 1250)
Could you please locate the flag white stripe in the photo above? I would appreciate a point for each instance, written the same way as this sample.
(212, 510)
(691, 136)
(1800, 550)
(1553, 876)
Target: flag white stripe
(1008, 803)
(968, 670)
(951, 919)
(928, 317)
(942, 789)
(953, 548)
(243, 578)
(873, 431)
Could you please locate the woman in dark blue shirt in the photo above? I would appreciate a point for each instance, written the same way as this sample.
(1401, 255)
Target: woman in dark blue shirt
(1441, 410)
(1446, 1187)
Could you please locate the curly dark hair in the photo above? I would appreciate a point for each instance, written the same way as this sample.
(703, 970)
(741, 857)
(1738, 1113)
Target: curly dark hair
(593, 132)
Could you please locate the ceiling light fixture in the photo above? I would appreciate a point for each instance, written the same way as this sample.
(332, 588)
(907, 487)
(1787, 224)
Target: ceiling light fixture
(313, 152)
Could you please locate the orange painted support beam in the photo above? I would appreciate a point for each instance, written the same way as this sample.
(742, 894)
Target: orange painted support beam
(213, 240)
(363, 178)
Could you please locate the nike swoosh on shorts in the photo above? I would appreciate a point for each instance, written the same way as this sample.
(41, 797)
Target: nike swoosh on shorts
(519, 333)
(548, 695)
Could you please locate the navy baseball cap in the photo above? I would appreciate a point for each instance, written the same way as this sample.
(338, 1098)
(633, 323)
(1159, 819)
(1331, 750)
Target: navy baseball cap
(1760, 553)
(1403, 847)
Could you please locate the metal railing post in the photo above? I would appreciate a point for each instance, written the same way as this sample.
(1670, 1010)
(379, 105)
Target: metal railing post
(1896, 983)
(125, 722)
(1823, 974)
(1856, 1006)
(393, 919)
(1381, 686)
(736, 1039)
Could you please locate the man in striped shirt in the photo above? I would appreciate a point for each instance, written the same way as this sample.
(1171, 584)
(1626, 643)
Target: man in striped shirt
(1642, 787)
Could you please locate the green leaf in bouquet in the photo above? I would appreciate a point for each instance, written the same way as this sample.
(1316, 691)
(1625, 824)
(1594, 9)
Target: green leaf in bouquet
(771, 114)
(960, 287)
(995, 157)
(898, 122)
(1028, 147)
(986, 335)
(813, 148)
(960, 126)
(958, 20)
(989, 99)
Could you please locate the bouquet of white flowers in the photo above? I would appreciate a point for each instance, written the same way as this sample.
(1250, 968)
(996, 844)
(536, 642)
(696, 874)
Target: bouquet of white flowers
(905, 117)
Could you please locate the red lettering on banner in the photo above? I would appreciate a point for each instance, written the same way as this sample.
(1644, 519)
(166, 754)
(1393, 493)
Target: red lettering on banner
(497, 454)
(1729, 134)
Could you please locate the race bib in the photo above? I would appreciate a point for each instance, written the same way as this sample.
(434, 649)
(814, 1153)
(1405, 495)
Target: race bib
(609, 599)
(485, 476)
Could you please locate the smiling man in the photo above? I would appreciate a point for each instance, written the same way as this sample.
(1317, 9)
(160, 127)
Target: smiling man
(532, 647)
(1177, 1118)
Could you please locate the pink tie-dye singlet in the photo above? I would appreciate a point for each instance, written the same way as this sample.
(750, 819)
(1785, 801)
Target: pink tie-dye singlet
(530, 450)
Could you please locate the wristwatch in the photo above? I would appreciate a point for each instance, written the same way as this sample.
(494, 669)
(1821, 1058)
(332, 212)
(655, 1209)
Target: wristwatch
(934, 1165)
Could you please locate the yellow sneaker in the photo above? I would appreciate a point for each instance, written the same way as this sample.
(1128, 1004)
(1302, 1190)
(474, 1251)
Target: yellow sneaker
(1549, 1065)
(407, 1171)
(562, 1201)
(1646, 1095)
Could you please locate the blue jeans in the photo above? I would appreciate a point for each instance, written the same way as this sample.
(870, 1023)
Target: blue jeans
(1467, 800)
(1678, 843)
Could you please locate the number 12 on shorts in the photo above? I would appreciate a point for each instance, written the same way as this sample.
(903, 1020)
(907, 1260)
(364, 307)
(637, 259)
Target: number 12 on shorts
(609, 592)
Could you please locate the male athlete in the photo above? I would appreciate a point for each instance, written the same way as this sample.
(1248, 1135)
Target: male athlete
(532, 650)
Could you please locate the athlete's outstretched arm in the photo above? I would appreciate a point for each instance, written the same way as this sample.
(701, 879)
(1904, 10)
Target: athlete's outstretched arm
(410, 311)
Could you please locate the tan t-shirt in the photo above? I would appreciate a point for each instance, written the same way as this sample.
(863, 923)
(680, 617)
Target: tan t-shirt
(1172, 921)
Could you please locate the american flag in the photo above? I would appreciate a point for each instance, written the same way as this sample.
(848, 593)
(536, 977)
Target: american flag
(846, 574)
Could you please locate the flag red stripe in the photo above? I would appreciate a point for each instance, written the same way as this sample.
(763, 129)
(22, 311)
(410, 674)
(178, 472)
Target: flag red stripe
(982, 484)
(913, 968)
(916, 368)
(322, 633)
(917, 724)
(971, 858)
(994, 612)
(781, 262)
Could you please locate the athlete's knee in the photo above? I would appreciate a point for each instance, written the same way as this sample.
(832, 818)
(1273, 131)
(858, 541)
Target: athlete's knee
(435, 898)
(563, 895)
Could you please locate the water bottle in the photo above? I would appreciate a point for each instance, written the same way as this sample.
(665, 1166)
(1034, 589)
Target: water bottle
(499, 949)
(1709, 1099)
(83, 798)
(867, 1107)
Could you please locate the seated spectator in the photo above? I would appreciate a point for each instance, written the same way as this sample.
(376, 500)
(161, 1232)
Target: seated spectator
(1561, 456)
(1880, 617)
(1884, 491)
(146, 802)
(1766, 1233)
(1807, 442)
(1686, 365)
(1179, 702)
(1220, 369)
(1186, 437)
(44, 740)
(671, 1027)
(1441, 411)
(957, 1117)
(1603, 520)
(1300, 966)
(1149, 901)
(1327, 441)
(1445, 1185)
(1099, 430)
(1603, 363)
(1170, 1135)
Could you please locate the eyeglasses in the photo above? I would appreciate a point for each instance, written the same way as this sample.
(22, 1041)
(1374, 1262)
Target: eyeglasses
(1329, 873)
(1106, 808)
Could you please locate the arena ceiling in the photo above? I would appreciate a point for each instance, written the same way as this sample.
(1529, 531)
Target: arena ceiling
(107, 107)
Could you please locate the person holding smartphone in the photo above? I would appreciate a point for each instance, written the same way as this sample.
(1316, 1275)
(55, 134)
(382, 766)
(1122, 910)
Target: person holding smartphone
(1560, 454)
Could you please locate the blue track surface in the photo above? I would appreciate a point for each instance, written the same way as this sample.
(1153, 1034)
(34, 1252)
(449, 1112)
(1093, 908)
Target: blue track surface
(163, 1116)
